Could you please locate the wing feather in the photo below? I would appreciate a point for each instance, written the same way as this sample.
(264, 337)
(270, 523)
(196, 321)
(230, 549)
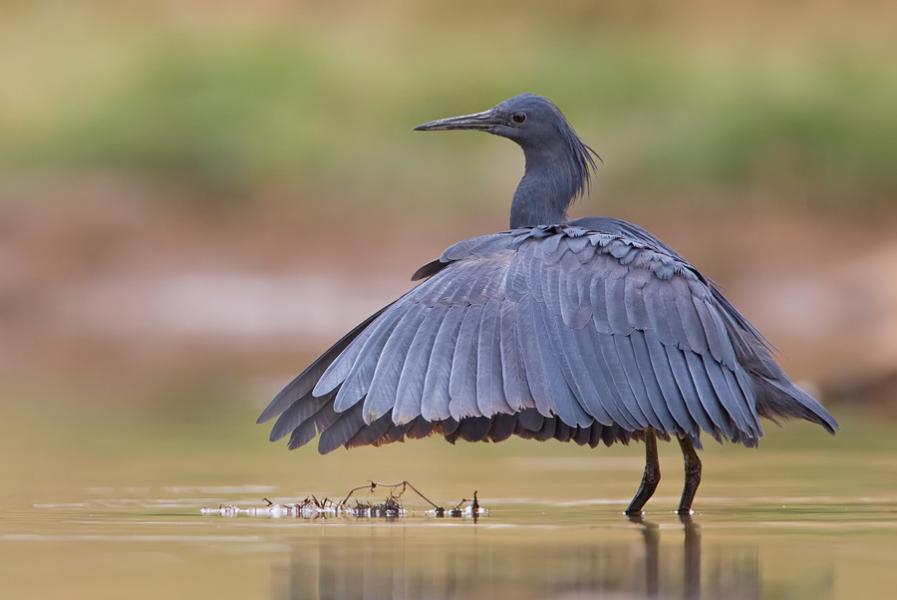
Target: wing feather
(528, 348)
(411, 383)
(626, 354)
(615, 290)
(606, 405)
(302, 435)
(659, 319)
(474, 429)
(436, 398)
(742, 400)
(490, 377)
(344, 429)
(687, 390)
(301, 410)
(516, 389)
(707, 395)
(419, 428)
(669, 388)
(370, 434)
(382, 393)
(503, 427)
(463, 380)
(358, 381)
(530, 419)
(565, 351)
(562, 400)
(634, 297)
(656, 399)
(617, 375)
(688, 314)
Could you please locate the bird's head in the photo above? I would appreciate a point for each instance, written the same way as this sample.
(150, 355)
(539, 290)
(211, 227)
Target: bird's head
(530, 120)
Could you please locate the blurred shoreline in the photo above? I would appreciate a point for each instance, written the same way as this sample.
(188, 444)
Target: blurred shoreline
(117, 285)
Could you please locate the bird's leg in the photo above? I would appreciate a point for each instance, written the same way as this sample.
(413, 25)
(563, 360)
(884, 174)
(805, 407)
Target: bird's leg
(651, 477)
(692, 475)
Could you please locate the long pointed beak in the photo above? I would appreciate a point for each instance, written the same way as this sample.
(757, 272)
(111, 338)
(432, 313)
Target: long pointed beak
(483, 121)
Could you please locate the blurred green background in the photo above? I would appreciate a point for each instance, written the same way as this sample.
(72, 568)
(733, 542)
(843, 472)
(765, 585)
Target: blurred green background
(196, 197)
(237, 100)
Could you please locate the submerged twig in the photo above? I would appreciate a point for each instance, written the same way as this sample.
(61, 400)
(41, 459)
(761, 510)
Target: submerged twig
(458, 509)
(403, 484)
(390, 508)
(372, 485)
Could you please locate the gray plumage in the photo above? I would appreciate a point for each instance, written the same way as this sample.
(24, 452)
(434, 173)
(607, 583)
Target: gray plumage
(672, 378)
(589, 330)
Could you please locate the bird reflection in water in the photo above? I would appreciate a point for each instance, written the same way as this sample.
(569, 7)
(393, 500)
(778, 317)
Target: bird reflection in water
(659, 561)
(690, 560)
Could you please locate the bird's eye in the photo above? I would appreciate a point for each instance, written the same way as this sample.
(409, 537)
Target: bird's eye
(518, 117)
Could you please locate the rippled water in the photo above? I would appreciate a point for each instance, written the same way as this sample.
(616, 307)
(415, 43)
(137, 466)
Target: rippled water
(814, 518)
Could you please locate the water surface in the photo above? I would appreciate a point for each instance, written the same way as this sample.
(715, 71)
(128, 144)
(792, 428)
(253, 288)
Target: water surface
(117, 514)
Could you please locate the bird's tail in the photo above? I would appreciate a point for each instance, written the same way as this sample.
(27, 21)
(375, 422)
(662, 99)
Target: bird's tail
(780, 397)
(776, 395)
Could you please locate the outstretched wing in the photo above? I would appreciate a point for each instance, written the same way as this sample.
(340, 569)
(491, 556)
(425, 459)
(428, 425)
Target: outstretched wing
(586, 325)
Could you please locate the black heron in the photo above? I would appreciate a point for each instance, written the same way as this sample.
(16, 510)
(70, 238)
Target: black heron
(590, 330)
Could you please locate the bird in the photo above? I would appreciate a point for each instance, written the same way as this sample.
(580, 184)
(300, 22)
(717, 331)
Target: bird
(589, 330)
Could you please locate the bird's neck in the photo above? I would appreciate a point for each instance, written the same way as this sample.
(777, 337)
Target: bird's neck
(549, 184)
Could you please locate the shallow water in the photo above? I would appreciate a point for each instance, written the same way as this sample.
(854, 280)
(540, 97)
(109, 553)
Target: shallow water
(805, 516)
